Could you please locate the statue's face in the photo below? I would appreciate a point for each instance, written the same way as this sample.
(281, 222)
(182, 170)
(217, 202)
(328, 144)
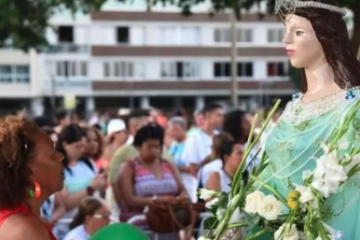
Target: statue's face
(302, 45)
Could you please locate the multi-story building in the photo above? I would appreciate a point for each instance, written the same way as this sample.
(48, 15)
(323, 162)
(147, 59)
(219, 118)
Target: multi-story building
(114, 59)
(20, 81)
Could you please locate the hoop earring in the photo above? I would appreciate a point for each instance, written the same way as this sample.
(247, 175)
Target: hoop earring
(36, 193)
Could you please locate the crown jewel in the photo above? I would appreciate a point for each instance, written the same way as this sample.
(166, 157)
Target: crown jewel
(290, 6)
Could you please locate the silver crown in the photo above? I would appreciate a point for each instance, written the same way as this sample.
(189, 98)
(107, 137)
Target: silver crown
(290, 6)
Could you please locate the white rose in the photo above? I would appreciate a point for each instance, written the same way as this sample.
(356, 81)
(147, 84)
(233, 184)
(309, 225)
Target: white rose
(252, 201)
(269, 208)
(206, 194)
(212, 202)
(287, 233)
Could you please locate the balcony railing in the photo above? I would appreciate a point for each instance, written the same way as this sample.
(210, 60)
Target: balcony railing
(67, 48)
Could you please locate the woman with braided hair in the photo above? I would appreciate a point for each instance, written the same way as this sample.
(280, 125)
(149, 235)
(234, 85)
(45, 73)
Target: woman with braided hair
(30, 171)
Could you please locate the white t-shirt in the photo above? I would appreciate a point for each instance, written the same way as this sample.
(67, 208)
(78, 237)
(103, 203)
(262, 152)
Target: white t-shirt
(213, 166)
(47, 208)
(77, 233)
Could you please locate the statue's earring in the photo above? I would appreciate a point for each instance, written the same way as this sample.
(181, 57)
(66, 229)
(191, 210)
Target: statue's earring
(36, 193)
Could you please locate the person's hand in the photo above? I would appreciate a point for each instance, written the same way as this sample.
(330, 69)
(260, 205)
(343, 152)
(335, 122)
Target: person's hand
(100, 182)
(183, 198)
(193, 169)
(167, 199)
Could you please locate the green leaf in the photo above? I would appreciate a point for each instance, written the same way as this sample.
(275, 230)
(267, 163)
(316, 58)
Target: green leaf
(223, 200)
(210, 222)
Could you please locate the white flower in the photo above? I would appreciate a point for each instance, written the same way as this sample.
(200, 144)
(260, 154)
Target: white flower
(306, 196)
(206, 194)
(328, 174)
(252, 201)
(306, 174)
(285, 232)
(212, 202)
(269, 208)
(324, 188)
(236, 216)
(203, 238)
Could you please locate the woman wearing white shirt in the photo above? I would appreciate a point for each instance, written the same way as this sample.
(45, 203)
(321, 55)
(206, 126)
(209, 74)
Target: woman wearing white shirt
(91, 216)
(231, 155)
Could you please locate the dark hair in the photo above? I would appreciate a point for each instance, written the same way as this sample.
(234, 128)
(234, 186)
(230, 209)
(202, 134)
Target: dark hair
(16, 148)
(60, 114)
(149, 132)
(87, 207)
(218, 141)
(226, 149)
(43, 122)
(331, 31)
(232, 125)
(137, 113)
(211, 107)
(71, 134)
(99, 139)
(48, 130)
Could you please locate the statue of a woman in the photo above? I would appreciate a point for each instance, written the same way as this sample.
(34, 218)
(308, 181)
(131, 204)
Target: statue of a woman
(317, 42)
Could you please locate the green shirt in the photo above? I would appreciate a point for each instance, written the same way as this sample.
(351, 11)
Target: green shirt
(123, 154)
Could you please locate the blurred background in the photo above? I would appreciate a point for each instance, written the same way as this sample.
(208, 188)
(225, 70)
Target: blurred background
(100, 56)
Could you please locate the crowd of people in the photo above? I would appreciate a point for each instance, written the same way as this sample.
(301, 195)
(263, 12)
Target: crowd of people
(77, 177)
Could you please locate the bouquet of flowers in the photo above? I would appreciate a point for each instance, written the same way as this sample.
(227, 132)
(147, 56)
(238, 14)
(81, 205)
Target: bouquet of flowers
(297, 216)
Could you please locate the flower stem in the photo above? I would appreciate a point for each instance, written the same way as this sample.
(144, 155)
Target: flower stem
(258, 234)
(250, 145)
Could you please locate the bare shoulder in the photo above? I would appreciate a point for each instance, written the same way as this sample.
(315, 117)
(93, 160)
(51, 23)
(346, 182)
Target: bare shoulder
(18, 226)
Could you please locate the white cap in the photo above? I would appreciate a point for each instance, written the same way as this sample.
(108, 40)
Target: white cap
(115, 125)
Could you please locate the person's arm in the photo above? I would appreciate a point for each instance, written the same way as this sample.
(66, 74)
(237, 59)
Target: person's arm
(118, 157)
(182, 190)
(213, 182)
(59, 208)
(25, 226)
(72, 200)
(191, 152)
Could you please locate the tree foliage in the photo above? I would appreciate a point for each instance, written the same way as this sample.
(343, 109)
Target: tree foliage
(25, 21)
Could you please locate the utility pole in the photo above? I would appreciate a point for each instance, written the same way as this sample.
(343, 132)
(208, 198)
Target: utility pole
(234, 84)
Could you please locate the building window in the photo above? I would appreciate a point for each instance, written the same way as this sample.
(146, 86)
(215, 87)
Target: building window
(14, 74)
(244, 35)
(190, 36)
(222, 35)
(223, 69)
(276, 69)
(65, 34)
(122, 35)
(119, 69)
(71, 69)
(275, 35)
(179, 70)
(245, 69)
(169, 36)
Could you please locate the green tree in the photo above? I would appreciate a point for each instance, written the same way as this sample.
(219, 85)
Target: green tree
(25, 21)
